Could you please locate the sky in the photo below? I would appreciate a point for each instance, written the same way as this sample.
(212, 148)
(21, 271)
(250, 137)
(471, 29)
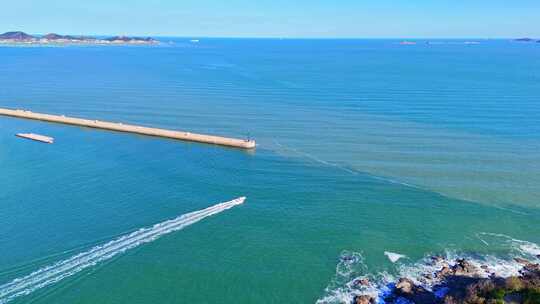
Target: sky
(277, 18)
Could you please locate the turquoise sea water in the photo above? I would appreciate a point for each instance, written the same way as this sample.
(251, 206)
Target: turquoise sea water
(364, 146)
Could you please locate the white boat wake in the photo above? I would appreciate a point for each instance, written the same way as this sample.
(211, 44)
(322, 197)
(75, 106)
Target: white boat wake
(53, 273)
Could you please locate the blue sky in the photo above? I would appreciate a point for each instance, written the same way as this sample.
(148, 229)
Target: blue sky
(277, 18)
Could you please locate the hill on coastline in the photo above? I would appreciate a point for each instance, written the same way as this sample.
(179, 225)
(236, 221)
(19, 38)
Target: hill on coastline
(22, 37)
(16, 36)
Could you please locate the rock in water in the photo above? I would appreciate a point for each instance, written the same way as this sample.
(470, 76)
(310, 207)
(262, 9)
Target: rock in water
(364, 299)
(464, 268)
(463, 283)
(444, 272)
(437, 259)
(405, 286)
(361, 282)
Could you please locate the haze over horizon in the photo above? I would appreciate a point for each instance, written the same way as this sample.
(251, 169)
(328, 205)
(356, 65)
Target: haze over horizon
(266, 19)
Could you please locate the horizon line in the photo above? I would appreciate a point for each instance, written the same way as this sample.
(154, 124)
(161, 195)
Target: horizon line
(285, 37)
(292, 37)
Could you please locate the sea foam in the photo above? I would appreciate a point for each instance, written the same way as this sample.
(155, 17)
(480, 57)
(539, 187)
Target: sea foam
(352, 270)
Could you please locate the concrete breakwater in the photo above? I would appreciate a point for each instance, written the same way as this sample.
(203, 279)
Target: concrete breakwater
(120, 127)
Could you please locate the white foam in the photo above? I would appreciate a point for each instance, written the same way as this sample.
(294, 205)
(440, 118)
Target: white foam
(380, 283)
(526, 249)
(394, 257)
(530, 248)
(53, 273)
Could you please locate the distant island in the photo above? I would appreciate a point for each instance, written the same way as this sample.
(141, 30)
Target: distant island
(56, 39)
(526, 40)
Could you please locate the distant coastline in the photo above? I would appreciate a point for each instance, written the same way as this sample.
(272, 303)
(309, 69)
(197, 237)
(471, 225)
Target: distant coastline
(18, 37)
(526, 40)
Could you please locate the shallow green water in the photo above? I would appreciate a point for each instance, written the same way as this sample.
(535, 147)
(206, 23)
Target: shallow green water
(361, 148)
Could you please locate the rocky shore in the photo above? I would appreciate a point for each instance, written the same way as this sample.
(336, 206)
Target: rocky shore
(460, 281)
(56, 39)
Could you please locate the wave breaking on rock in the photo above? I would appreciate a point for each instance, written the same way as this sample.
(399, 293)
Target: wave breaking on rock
(447, 278)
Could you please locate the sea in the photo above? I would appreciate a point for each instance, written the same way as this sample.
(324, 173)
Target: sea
(371, 156)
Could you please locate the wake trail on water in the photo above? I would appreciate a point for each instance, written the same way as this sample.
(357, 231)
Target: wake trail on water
(387, 179)
(314, 158)
(352, 171)
(56, 272)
